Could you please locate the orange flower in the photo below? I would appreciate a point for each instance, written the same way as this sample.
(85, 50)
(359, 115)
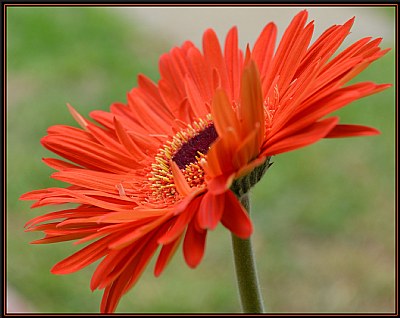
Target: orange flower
(169, 165)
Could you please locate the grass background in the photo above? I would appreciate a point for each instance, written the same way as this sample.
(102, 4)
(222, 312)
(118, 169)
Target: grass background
(323, 215)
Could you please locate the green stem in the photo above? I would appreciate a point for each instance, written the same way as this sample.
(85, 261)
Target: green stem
(246, 273)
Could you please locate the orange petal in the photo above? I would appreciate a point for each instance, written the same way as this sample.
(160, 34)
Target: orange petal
(127, 277)
(235, 217)
(210, 210)
(251, 109)
(141, 231)
(82, 258)
(179, 179)
(58, 164)
(196, 101)
(232, 59)
(193, 245)
(264, 48)
(180, 223)
(247, 150)
(127, 142)
(327, 105)
(111, 261)
(78, 117)
(213, 56)
(220, 184)
(307, 136)
(201, 73)
(165, 256)
(223, 115)
(293, 31)
(352, 131)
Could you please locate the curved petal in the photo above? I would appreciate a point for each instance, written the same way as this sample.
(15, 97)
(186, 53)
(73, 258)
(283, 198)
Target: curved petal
(213, 56)
(180, 223)
(83, 257)
(210, 210)
(251, 109)
(264, 46)
(233, 63)
(235, 218)
(307, 136)
(351, 131)
(194, 244)
(166, 253)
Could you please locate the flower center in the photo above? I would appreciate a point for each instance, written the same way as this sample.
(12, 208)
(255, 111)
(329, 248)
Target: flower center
(186, 149)
(199, 144)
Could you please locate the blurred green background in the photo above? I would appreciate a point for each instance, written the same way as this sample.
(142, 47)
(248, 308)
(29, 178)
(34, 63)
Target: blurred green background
(324, 215)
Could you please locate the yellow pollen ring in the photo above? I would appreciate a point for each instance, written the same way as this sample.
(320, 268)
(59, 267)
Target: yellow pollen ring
(161, 178)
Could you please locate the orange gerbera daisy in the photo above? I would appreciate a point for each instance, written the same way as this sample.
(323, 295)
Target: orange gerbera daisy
(171, 163)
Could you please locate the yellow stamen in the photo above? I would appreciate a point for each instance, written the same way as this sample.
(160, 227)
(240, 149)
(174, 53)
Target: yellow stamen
(160, 177)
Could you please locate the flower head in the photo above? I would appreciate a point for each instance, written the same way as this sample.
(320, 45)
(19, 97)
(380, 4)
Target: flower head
(166, 167)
